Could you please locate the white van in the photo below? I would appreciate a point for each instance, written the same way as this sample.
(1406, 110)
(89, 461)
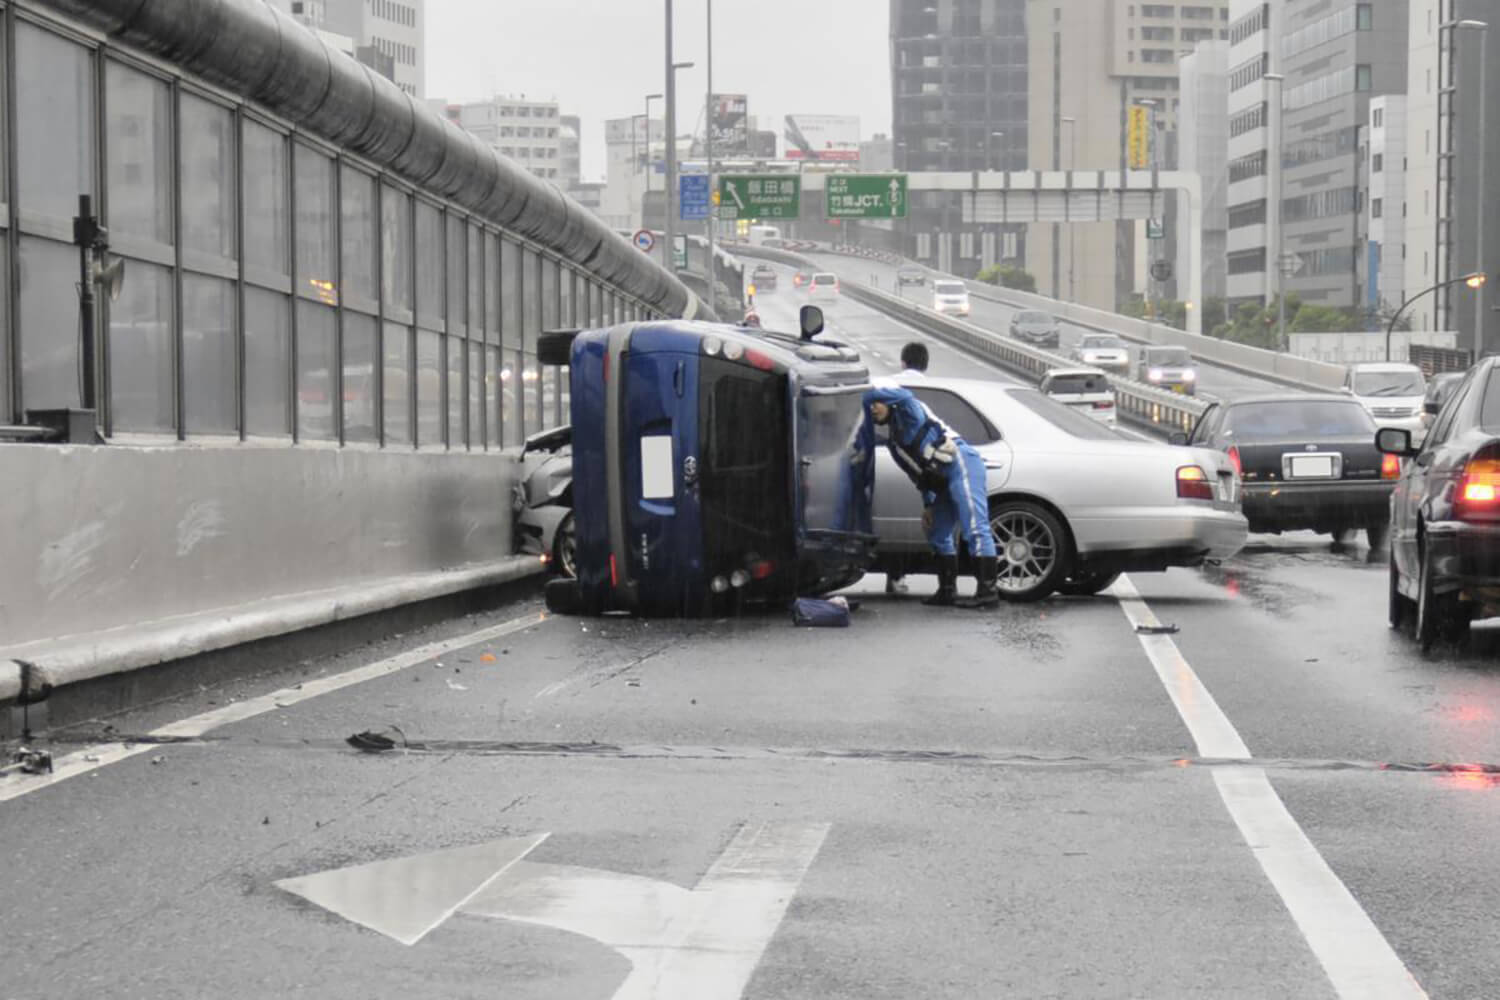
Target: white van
(761, 236)
(950, 297)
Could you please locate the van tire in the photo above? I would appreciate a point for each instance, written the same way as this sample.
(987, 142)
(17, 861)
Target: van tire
(555, 347)
(563, 596)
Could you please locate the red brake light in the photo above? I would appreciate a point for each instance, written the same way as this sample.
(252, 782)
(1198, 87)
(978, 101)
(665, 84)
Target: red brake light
(1105, 405)
(762, 569)
(614, 576)
(1234, 460)
(760, 361)
(1193, 484)
(1479, 489)
(1390, 467)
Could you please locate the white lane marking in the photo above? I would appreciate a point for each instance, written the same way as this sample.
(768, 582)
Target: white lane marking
(407, 898)
(99, 755)
(702, 944)
(1359, 961)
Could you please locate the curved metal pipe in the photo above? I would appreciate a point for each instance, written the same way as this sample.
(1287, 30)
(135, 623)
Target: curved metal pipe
(256, 51)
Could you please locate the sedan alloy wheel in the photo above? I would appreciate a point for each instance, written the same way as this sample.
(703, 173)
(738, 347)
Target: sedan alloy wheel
(1032, 547)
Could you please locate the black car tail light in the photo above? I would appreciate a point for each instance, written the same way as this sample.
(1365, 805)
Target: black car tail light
(1478, 497)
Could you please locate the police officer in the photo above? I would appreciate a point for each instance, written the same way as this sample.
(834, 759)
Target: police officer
(950, 475)
(914, 360)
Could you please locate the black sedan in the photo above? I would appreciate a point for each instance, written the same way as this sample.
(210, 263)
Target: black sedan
(1445, 513)
(1307, 463)
(1034, 327)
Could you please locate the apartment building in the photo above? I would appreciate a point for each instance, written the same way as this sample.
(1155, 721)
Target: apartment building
(527, 131)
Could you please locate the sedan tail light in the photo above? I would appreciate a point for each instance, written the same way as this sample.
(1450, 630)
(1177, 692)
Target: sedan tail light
(1234, 460)
(1193, 484)
(1107, 404)
(1479, 489)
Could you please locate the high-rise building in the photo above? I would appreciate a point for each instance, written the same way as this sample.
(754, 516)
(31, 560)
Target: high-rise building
(1251, 228)
(1089, 61)
(529, 132)
(1203, 148)
(391, 28)
(959, 78)
(1334, 60)
(1444, 183)
(1383, 271)
(628, 143)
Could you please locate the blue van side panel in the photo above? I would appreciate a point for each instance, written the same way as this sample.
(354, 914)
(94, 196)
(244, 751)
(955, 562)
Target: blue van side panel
(590, 482)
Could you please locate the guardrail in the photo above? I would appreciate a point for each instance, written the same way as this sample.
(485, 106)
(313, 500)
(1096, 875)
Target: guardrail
(1145, 406)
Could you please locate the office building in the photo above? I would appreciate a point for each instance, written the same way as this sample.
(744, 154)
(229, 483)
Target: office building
(1089, 61)
(387, 35)
(570, 153)
(1383, 272)
(627, 167)
(959, 79)
(1444, 183)
(1335, 60)
(1251, 120)
(1203, 148)
(527, 131)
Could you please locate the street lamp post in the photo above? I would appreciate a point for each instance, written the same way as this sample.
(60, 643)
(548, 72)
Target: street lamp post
(1072, 124)
(1152, 290)
(1483, 140)
(1277, 167)
(708, 157)
(1475, 281)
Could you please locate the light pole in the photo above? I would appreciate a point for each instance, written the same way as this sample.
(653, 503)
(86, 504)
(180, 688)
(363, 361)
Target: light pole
(1277, 168)
(1475, 281)
(1072, 124)
(945, 250)
(708, 161)
(1483, 139)
(1152, 292)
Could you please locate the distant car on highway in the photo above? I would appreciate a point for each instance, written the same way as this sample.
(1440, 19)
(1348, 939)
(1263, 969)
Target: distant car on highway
(1072, 503)
(1168, 368)
(1034, 327)
(950, 297)
(1103, 350)
(1440, 389)
(1308, 463)
(1392, 392)
(763, 278)
(910, 274)
(1445, 513)
(823, 285)
(1086, 390)
(801, 279)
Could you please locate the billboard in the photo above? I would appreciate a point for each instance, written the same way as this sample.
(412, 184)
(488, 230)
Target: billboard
(731, 124)
(1140, 137)
(822, 137)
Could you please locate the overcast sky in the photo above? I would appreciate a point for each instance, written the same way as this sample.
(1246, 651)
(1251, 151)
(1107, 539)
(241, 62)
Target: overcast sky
(600, 58)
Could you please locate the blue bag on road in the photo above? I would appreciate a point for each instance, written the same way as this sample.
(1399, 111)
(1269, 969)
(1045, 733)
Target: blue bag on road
(815, 613)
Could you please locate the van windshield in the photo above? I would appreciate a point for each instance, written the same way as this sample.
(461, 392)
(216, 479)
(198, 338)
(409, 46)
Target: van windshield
(949, 288)
(1170, 356)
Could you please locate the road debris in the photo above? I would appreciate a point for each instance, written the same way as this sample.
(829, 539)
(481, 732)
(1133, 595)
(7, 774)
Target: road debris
(30, 761)
(371, 741)
(1156, 630)
(487, 658)
(455, 686)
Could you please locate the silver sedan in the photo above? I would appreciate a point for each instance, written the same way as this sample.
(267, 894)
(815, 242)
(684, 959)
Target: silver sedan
(1072, 503)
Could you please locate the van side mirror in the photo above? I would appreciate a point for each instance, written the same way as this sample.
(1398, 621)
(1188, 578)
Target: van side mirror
(1394, 441)
(811, 318)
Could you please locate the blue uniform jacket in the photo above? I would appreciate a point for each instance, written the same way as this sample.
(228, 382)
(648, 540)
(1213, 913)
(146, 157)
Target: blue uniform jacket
(922, 445)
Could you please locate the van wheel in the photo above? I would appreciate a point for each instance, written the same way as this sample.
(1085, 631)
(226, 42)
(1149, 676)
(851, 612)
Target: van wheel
(565, 548)
(1033, 549)
(563, 596)
(555, 347)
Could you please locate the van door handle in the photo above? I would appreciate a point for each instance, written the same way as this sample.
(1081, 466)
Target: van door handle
(679, 378)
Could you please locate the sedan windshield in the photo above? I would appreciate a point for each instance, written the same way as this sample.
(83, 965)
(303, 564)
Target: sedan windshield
(1171, 356)
(1296, 419)
(1034, 317)
(1069, 385)
(1102, 344)
(1408, 383)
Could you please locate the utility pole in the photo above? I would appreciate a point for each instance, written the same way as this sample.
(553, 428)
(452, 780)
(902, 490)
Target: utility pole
(708, 150)
(1483, 140)
(669, 224)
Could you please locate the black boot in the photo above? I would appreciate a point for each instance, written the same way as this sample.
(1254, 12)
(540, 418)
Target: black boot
(985, 593)
(947, 592)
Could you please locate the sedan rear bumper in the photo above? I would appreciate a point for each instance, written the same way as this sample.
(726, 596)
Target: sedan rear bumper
(1463, 554)
(1154, 539)
(1317, 506)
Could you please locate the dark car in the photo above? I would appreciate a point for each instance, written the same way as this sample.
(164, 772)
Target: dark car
(1039, 329)
(1168, 368)
(1445, 513)
(763, 278)
(1440, 389)
(1307, 462)
(910, 275)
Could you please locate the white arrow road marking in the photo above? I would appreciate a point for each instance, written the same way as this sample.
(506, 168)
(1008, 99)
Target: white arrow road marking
(405, 898)
(734, 192)
(1357, 958)
(702, 944)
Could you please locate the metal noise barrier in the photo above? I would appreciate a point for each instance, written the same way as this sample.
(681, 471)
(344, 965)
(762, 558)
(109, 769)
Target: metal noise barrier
(1145, 406)
(262, 55)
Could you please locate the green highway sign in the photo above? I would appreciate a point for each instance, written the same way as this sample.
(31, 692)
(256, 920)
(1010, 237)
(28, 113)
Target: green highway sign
(865, 196)
(760, 196)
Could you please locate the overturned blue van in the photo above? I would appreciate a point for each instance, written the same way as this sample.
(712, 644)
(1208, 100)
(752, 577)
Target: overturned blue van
(713, 465)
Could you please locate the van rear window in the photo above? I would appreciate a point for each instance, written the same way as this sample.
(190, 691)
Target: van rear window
(1076, 384)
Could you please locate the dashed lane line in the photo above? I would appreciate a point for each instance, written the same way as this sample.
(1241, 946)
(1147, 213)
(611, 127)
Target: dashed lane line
(1359, 961)
(91, 758)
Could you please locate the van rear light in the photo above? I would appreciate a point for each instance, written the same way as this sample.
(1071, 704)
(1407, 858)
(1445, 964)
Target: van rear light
(1107, 404)
(759, 360)
(762, 569)
(1193, 484)
(614, 575)
(1390, 467)
(1234, 460)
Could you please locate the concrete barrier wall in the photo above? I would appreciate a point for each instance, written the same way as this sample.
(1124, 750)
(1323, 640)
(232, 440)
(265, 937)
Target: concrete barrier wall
(121, 537)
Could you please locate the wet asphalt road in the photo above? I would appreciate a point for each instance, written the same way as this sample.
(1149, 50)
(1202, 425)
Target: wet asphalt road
(1009, 804)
